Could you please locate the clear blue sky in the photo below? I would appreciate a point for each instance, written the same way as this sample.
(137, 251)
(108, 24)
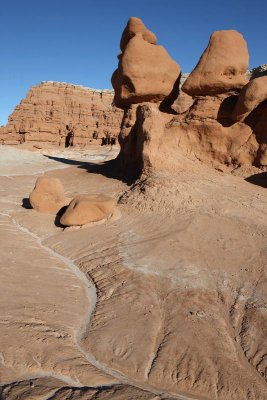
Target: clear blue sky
(77, 41)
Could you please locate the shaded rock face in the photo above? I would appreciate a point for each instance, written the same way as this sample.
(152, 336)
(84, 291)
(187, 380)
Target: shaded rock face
(214, 122)
(62, 114)
(145, 72)
(222, 66)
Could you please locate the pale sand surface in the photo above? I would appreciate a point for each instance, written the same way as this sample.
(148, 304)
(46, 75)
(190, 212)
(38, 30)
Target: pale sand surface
(165, 302)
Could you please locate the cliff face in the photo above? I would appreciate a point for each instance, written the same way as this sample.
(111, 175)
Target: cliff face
(53, 111)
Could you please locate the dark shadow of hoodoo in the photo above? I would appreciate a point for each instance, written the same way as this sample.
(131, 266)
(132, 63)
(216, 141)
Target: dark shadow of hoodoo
(110, 169)
(258, 179)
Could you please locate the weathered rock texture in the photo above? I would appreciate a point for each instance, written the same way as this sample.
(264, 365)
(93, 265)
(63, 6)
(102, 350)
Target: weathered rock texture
(84, 209)
(52, 110)
(222, 66)
(145, 72)
(206, 127)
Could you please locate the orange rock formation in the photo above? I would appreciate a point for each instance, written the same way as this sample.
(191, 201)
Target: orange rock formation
(145, 72)
(51, 112)
(48, 195)
(222, 66)
(205, 127)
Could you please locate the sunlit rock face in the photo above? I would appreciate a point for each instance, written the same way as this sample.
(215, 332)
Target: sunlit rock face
(52, 111)
(145, 72)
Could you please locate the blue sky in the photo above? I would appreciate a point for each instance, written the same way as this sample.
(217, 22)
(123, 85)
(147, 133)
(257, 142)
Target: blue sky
(77, 41)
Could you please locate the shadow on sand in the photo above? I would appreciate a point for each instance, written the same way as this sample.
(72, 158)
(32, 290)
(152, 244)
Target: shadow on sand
(58, 216)
(109, 169)
(26, 203)
(258, 179)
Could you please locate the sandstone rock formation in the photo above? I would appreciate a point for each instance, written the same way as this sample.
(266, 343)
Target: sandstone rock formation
(145, 72)
(52, 111)
(222, 66)
(134, 27)
(84, 209)
(205, 127)
(252, 94)
(48, 195)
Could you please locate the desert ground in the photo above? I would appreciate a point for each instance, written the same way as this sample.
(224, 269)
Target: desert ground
(166, 300)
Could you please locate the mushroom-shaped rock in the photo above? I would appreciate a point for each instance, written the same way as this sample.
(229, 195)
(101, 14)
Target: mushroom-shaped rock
(48, 195)
(222, 66)
(84, 209)
(145, 72)
(254, 93)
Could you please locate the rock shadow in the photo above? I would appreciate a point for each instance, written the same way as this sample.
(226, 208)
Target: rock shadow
(58, 216)
(166, 104)
(225, 111)
(109, 169)
(258, 179)
(26, 204)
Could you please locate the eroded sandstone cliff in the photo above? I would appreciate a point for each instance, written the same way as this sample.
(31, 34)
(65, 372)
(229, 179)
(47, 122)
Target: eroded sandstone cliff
(52, 111)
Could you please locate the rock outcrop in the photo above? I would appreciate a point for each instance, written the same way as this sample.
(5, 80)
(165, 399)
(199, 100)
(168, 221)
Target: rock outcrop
(205, 128)
(53, 112)
(145, 72)
(252, 94)
(48, 195)
(222, 66)
(84, 209)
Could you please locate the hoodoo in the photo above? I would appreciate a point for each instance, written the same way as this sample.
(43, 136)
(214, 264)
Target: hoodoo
(222, 66)
(209, 127)
(145, 72)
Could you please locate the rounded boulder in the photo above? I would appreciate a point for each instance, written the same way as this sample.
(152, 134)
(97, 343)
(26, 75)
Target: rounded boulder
(84, 209)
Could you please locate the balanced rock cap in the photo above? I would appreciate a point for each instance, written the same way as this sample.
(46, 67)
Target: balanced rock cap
(222, 66)
(145, 71)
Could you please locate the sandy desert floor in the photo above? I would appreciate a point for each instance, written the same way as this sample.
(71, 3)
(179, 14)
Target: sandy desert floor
(167, 302)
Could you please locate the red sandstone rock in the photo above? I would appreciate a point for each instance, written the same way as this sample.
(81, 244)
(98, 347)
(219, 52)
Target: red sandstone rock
(222, 66)
(84, 209)
(153, 141)
(145, 72)
(51, 110)
(254, 93)
(48, 195)
(135, 26)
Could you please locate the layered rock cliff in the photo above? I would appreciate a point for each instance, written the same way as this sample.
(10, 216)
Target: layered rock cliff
(53, 111)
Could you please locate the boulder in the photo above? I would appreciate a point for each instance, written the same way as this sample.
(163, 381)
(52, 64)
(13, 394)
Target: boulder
(222, 66)
(145, 72)
(48, 195)
(252, 94)
(84, 209)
